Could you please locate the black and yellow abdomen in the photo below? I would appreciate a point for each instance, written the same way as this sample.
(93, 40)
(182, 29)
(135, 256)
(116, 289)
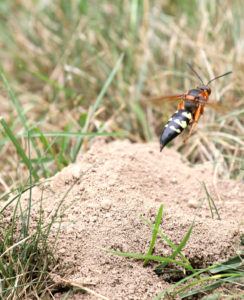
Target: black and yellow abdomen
(176, 124)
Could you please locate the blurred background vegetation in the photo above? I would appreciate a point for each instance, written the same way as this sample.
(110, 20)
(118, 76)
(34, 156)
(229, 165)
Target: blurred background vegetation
(74, 70)
(85, 66)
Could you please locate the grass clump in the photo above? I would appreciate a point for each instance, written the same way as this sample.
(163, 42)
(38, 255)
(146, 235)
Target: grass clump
(27, 247)
(25, 256)
(231, 271)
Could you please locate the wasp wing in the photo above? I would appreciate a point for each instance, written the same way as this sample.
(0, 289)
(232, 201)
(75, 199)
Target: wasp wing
(160, 99)
(218, 107)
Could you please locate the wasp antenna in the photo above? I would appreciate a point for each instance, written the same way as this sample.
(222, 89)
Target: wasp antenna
(219, 77)
(200, 69)
(195, 72)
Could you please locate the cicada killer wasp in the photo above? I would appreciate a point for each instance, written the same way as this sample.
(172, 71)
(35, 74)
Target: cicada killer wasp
(189, 111)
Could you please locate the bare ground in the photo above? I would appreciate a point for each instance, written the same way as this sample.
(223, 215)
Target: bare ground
(120, 182)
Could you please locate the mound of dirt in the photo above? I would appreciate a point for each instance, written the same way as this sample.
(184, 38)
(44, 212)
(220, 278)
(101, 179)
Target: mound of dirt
(116, 183)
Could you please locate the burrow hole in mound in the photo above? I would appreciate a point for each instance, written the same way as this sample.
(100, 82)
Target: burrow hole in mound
(172, 273)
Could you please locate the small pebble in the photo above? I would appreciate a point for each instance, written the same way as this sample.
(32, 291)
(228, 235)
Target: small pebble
(62, 250)
(193, 203)
(173, 180)
(106, 204)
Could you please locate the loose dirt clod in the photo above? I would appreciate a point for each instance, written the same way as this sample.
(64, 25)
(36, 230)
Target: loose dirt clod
(122, 181)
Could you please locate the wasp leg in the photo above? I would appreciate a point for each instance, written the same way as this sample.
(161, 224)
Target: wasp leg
(181, 105)
(194, 122)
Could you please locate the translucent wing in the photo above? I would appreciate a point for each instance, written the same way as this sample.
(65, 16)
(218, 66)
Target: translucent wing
(218, 107)
(158, 100)
(176, 97)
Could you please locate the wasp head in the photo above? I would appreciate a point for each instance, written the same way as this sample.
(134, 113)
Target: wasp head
(205, 88)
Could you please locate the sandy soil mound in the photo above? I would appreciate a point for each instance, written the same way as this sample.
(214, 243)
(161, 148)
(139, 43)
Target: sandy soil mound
(120, 182)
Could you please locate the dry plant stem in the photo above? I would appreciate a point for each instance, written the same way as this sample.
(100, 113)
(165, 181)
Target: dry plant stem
(83, 288)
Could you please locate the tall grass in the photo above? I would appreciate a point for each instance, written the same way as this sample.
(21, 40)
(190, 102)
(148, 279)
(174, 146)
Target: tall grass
(25, 257)
(58, 56)
(27, 248)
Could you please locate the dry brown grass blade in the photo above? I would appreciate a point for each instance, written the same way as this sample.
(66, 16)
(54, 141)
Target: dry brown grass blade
(82, 287)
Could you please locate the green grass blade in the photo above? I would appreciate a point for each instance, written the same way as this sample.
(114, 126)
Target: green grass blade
(230, 265)
(206, 288)
(36, 132)
(161, 295)
(15, 245)
(210, 200)
(147, 257)
(52, 83)
(96, 105)
(106, 85)
(40, 161)
(155, 232)
(15, 197)
(64, 146)
(233, 267)
(21, 152)
(13, 99)
(141, 118)
(178, 250)
(199, 281)
(16, 105)
(69, 134)
(171, 244)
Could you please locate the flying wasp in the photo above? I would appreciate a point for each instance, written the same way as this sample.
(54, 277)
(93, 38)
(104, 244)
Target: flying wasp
(189, 111)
